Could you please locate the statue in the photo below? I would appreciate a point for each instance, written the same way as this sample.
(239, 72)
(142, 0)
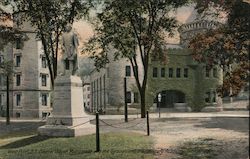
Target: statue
(69, 56)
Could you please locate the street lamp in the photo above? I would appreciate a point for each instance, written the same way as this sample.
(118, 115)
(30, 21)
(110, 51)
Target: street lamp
(159, 101)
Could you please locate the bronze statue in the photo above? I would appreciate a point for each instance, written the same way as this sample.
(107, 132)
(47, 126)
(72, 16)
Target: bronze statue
(69, 53)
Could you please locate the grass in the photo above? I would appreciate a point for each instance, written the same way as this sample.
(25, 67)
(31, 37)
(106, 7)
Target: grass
(113, 146)
(199, 149)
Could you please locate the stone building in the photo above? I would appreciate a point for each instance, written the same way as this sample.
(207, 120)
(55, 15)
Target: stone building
(86, 94)
(30, 84)
(107, 86)
(183, 83)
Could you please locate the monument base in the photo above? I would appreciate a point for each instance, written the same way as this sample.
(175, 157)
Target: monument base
(84, 128)
(68, 118)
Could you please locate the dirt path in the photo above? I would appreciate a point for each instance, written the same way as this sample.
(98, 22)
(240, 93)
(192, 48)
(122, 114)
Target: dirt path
(231, 136)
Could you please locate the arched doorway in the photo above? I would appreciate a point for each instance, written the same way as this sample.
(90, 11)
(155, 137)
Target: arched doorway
(169, 97)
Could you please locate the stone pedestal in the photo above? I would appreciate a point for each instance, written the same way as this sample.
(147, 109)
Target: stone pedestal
(68, 117)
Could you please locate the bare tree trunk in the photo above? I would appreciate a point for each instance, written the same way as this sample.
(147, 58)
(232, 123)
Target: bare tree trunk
(143, 103)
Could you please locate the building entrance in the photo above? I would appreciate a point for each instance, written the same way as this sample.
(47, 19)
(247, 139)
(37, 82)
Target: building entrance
(169, 97)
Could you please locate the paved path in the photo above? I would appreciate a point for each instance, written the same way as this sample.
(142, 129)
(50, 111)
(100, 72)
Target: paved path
(240, 114)
(229, 128)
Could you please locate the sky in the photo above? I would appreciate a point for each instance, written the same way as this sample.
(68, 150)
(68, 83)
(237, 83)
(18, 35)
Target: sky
(183, 15)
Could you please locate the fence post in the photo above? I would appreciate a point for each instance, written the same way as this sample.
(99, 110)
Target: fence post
(97, 133)
(125, 100)
(148, 131)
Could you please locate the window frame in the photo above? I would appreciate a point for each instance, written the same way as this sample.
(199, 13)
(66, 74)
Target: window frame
(127, 71)
(44, 62)
(18, 62)
(18, 43)
(163, 72)
(170, 72)
(44, 80)
(185, 73)
(129, 97)
(44, 102)
(18, 79)
(18, 99)
(178, 73)
(155, 72)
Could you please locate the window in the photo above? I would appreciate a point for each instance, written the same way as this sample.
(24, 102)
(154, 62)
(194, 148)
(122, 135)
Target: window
(88, 103)
(88, 88)
(18, 43)
(1, 79)
(44, 115)
(162, 72)
(214, 96)
(18, 60)
(155, 72)
(185, 72)
(207, 71)
(18, 79)
(1, 100)
(170, 72)
(44, 65)
(128, 71)
(44, 99)
(88, 96)
(215, 72)
(136, 97)
(178, 72)
(207, 98)
(44, 80)
(128, 97)
(18, 115)
(1, 58)
(18, 99)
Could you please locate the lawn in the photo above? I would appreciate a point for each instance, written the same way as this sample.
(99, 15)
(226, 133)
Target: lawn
(113, 146)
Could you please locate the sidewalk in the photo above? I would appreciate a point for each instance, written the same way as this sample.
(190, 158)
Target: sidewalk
(238, 114)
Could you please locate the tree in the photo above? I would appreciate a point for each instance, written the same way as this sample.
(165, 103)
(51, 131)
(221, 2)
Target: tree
(128, 26)
(227, 46)
(6, 68)
(7, 36)
(49, 18)
(7, 33)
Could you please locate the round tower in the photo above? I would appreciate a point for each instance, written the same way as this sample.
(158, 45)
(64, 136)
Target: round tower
(207, 79)
(189, 30)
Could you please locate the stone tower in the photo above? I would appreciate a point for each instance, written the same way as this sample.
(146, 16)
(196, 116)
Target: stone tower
(207, 80)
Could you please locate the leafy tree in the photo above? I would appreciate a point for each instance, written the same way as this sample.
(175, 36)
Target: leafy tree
(7, 36)
(7, 33)
(126, 26)
(6, 69)
(49, 18)
(229, 45)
